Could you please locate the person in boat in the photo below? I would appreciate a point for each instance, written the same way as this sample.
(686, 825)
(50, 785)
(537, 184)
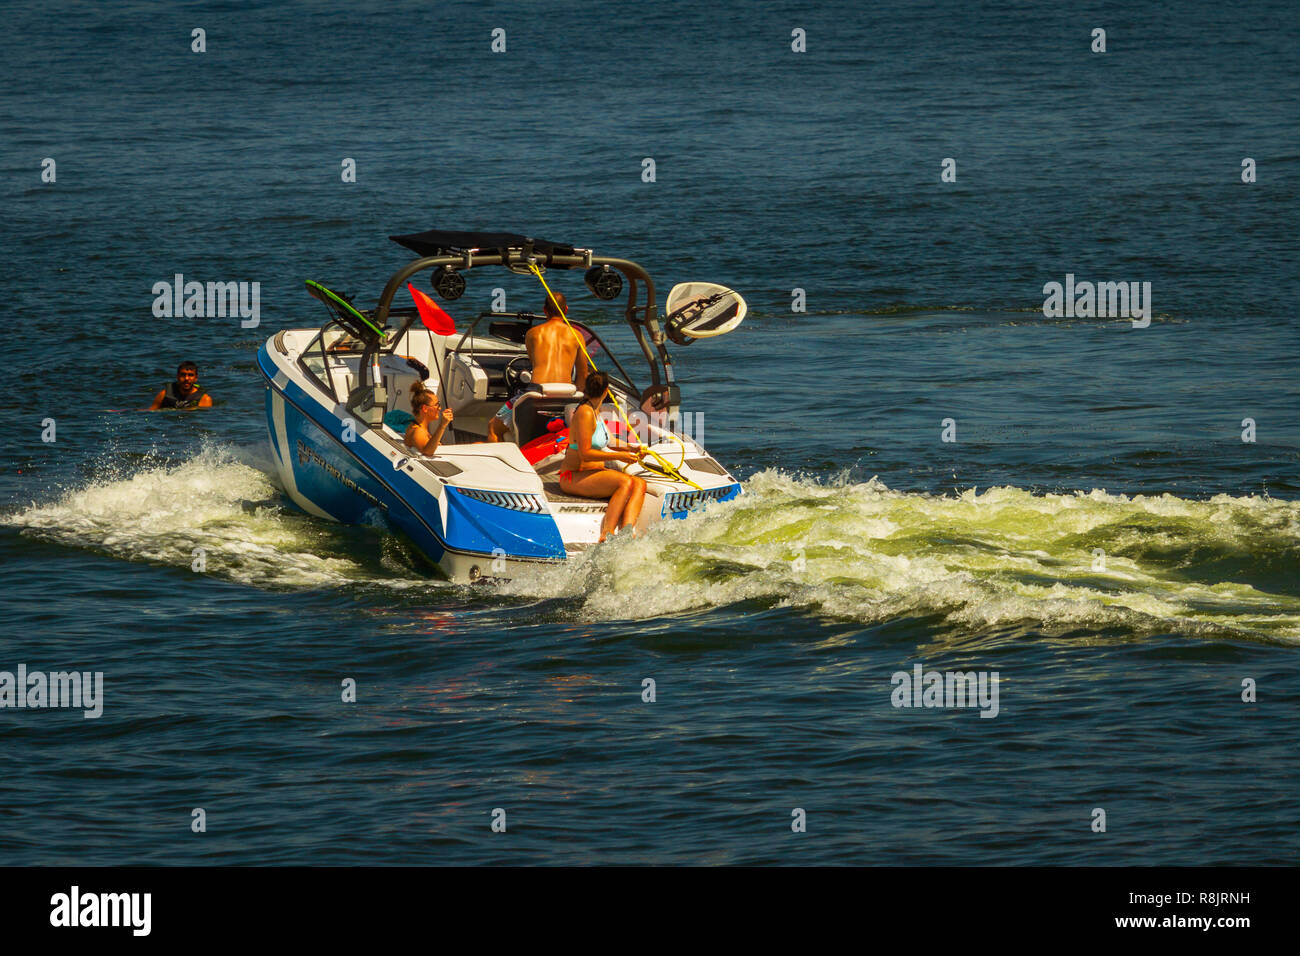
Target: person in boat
(554, 347)
(499, 425)
(430, 423)
(184, 392)
(556, 357)
(584, 473)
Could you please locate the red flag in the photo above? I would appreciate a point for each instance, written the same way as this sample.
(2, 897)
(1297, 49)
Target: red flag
(431, 314)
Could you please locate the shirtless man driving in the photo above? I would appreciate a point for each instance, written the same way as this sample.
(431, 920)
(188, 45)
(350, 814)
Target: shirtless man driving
(553, 349)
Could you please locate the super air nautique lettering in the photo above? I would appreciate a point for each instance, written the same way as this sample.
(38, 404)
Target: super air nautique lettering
(307, 455)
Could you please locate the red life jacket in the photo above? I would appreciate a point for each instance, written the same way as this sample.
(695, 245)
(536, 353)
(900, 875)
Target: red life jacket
(544, 446)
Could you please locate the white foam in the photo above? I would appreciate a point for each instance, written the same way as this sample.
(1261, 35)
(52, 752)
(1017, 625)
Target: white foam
(216, 501)
(986, 559)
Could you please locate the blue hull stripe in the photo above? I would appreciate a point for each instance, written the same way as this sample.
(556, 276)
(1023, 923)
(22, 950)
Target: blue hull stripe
(352, 490)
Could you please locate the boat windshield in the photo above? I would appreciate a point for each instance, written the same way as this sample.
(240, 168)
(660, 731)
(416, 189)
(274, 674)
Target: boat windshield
(323, 354)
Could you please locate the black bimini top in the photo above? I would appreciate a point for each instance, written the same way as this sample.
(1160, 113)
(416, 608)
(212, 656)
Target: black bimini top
(435, 242)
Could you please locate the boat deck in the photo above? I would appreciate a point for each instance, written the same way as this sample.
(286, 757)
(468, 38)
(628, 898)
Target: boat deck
(553, 493)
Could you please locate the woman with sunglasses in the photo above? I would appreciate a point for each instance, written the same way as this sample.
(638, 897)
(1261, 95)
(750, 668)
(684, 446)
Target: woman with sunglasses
(422, 434)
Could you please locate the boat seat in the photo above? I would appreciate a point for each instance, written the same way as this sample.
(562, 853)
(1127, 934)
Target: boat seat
(399, 391)
(534, 410)
(399, 378)
(478, 377)
(559, 390)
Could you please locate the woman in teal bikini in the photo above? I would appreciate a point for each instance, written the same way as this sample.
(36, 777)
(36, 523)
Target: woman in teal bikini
(583, 472)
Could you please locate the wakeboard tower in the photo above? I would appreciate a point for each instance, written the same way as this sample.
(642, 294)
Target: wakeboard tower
(338, 399)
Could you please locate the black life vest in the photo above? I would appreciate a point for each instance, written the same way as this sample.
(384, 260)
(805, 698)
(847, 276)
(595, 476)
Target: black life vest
(172, 400)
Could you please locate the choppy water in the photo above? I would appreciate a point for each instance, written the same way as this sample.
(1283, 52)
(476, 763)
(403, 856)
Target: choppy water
(1099, 534)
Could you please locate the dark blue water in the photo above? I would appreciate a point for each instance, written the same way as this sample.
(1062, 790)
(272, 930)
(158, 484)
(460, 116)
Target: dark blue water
(772, 625)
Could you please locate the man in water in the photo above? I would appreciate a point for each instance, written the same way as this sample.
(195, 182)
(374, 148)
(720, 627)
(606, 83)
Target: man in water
(184, 392)
(556, 357)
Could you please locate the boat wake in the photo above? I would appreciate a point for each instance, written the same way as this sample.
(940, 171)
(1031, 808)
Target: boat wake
(223, 505)
(999, 559)
(982, 562)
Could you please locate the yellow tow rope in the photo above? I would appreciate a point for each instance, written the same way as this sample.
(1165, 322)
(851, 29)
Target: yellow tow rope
(672, 470)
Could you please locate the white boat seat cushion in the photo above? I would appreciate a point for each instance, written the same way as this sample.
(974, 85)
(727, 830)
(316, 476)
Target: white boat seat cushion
(560, 390)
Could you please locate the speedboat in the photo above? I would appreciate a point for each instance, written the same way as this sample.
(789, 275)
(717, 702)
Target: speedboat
(338, 400)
